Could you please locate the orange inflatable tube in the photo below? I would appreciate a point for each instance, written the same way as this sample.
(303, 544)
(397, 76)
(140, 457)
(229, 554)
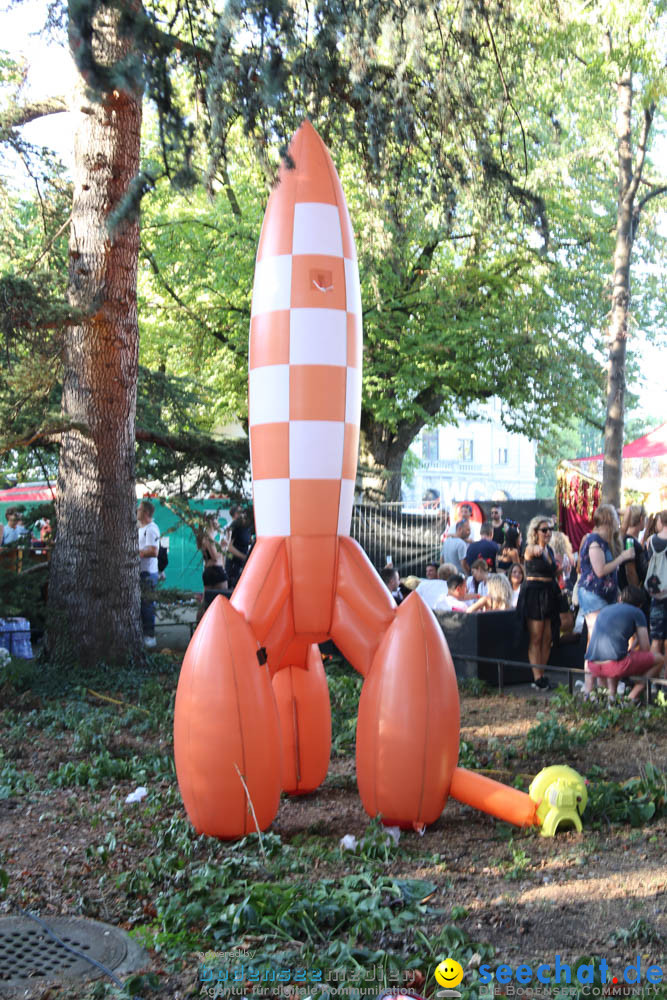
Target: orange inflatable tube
(252, 711)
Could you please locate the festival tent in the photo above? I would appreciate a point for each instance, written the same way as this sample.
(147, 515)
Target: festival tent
(28, 493)
(579, 482)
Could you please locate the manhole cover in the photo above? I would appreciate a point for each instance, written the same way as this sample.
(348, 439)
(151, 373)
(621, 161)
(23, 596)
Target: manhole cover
(28, 952)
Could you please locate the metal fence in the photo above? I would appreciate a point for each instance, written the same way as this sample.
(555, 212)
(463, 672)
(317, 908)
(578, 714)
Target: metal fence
(389, 531)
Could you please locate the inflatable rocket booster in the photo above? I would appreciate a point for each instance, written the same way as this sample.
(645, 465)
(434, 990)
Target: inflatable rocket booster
(252, 711)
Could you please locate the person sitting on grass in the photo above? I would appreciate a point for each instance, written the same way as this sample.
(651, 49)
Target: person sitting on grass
(612, 653)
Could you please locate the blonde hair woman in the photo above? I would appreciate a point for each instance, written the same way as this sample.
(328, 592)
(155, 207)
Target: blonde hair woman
(539, 598)
(600, 555)
(498, 595)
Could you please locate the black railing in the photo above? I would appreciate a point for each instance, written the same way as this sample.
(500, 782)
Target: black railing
(573, 673)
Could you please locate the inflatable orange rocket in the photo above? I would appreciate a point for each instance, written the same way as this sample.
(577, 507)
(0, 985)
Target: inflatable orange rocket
(252, 713)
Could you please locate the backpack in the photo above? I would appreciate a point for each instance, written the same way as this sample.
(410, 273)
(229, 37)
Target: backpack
(656, 574)
(162, 557)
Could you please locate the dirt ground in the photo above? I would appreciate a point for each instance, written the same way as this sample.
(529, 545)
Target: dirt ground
(599, 892)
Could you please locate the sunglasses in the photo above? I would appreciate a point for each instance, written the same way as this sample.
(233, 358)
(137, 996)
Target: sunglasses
(545, 530)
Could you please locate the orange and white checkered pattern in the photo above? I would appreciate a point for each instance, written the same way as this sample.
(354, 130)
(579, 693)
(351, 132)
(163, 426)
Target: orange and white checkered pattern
(304, 392)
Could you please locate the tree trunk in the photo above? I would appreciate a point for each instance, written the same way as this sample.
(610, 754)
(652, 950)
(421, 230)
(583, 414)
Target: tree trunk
(381, 454)
(94, 580)
(628, 180)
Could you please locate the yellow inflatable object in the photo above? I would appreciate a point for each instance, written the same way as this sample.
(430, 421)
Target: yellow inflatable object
(560, 795)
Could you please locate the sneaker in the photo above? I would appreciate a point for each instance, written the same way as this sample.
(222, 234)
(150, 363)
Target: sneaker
(150, 642)
(541, 684)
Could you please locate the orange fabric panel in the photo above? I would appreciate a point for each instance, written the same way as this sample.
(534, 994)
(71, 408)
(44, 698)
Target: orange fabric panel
(408, 728)
(278, 226)
(363, 607)
(354, 341)
(313, 166)
(279, 637)
(318, 282)
(350, 451)
(269, 338)
(317, 392)
(480, 792)
(225, 718)
(356, 641)
(265, 585)
(312, 567)
(361, 587)
(296, 651)
(269, 447)
(314, 506)
(302, 697)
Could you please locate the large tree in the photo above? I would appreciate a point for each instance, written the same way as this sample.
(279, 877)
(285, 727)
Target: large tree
(94, 588)
(639, 76)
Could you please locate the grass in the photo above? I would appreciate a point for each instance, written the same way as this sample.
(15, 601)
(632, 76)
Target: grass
(298, 903)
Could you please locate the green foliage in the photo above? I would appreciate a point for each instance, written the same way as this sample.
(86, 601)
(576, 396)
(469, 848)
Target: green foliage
(12, 781)
(640, 932)
(636, 801)
(550, 736)
(344, 691)
(102, 770)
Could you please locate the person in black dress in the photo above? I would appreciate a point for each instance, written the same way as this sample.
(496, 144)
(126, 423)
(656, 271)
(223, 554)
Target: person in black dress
(538, 604)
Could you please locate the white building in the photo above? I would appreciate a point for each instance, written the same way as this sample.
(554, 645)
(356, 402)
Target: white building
(477, 460)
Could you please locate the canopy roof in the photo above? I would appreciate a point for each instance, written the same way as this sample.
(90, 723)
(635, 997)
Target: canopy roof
(28, 493)
(651, 445)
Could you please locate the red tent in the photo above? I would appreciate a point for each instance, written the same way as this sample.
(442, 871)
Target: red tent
(29, 493)
(651, 445)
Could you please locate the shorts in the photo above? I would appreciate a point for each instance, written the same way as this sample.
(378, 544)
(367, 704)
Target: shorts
(213, 576)
(657, 620)
(590, 602)
(631, 665)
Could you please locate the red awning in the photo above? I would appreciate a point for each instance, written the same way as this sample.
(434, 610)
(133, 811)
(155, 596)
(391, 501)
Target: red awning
(651, 445)
(30, 493)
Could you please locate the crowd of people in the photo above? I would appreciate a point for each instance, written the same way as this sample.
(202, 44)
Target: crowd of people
(616, 585)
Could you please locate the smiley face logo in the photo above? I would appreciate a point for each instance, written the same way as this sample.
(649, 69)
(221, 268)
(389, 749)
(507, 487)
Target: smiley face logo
(449, 973)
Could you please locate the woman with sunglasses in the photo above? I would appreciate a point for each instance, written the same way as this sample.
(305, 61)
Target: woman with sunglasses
(600, 555)
(538, 604)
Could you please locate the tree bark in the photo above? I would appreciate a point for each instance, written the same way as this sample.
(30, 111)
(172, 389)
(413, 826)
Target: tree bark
(94, 581)
(381, 451)
(626, 223)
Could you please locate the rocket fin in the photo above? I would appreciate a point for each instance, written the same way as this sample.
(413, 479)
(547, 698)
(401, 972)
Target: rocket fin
(302, 697)
(226, 729)
(408, 728)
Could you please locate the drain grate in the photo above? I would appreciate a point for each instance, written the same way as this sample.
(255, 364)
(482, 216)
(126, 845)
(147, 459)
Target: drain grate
(27, 952)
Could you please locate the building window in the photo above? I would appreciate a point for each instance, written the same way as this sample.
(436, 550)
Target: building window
(502, 456)
(465, 449)
(430, 446)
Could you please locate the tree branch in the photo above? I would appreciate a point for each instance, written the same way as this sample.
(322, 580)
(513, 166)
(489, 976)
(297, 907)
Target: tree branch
(641, 152)
(662, 189)
(17, 115)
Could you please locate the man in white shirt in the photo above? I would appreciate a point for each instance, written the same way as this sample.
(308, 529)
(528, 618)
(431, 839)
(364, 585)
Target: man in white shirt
(456, 592)
(149, 540)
